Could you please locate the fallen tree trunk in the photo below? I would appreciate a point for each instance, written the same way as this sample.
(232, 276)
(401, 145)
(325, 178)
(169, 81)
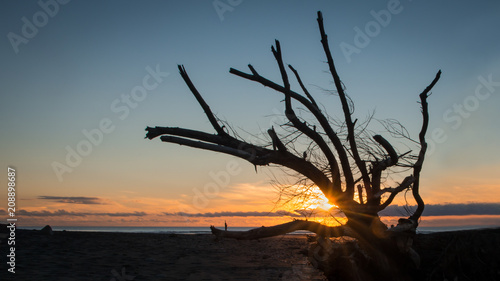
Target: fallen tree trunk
(281, 229)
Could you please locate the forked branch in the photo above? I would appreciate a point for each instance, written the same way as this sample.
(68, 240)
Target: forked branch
(320, 117)
(304, 128)
(347, 115)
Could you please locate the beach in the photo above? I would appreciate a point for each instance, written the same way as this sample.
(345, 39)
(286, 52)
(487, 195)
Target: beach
(68, 255)
(115, 256)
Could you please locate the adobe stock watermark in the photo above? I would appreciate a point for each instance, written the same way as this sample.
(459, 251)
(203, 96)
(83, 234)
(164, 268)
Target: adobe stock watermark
(220, 181)
(460, 111)
(30, 27)
(121, 107)
(363, 37)
(223, 6)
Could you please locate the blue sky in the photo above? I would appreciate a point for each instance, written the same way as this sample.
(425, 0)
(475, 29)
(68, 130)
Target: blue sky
(76, 69)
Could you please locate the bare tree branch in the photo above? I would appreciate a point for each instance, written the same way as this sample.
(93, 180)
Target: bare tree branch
(423, 148)
(302, 86)
(212, 147)
(380, 166)
(201, 101)
(347, 115)
(404, 185)
(393, 155)
(304, 128)
(153, 132)
(276, 140)
(323, 121)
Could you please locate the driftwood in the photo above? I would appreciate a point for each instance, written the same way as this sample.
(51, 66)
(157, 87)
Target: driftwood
(348, 171)
(265, 232)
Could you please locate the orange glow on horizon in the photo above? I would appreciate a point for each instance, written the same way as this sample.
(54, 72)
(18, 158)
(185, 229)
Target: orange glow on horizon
(234, 204)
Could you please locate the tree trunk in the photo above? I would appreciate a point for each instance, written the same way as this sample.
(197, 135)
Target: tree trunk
(265, 232)
(356, 251)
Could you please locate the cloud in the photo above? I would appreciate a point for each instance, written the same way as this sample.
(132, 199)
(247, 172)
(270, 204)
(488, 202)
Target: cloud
(73, 200)
(235, 214)
(134, 214)
(446, 209)
(317, 212)
(395, 210)
(59, 213)
(184, 221)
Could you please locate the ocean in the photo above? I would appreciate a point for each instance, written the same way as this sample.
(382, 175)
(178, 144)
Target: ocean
(138, 229)
(205, 230)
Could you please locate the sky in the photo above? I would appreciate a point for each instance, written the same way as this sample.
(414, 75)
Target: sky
(80, 80)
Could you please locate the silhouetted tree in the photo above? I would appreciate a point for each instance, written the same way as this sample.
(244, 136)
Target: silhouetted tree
(345, 164)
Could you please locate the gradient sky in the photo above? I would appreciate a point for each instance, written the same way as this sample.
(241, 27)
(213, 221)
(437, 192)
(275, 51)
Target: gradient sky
(74, 72)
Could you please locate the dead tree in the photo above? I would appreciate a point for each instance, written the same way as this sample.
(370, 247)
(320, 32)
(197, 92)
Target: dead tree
(349, 174)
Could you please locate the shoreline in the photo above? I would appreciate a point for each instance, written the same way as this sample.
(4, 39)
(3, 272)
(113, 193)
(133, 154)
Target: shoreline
(73, 255)
(85, 255)
(206, 230)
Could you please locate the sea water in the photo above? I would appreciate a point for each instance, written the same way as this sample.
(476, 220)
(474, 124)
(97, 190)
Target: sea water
(204, 230)
(142, 229)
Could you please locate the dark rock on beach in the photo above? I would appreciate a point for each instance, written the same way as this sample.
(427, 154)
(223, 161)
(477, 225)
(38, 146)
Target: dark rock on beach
(46, 230)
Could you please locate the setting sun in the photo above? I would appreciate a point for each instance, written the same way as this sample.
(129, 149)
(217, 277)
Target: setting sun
(318, 200)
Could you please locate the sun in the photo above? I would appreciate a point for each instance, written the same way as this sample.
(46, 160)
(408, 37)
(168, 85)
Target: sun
(309, 201)
(317, 200)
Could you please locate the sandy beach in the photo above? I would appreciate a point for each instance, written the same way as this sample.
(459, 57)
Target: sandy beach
(68, 255)
(146, 256)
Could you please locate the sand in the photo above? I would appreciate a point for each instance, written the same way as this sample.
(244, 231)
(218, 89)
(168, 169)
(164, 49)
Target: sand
(146, 256)
(457, 255)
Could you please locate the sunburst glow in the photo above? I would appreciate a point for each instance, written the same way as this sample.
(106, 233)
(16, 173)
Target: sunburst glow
(317, 200)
